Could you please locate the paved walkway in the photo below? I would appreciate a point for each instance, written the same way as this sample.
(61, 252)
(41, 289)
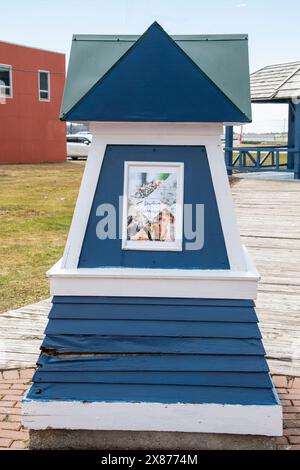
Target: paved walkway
(14, 383)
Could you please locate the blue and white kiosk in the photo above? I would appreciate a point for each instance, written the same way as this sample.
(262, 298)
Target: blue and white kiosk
(153, 325)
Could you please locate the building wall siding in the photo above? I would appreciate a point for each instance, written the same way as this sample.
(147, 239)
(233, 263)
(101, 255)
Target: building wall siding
(30, 129)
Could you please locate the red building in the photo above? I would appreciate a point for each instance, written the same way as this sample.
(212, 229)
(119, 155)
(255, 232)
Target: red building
(31, 88)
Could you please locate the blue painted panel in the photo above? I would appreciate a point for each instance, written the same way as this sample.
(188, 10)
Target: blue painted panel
(156, 81)
(225, 364)
(150, 312)
(198, 189)
(151, 393)
(154, 363)
(160, 345)
(153, 328)
(151, 301)
(217, 379)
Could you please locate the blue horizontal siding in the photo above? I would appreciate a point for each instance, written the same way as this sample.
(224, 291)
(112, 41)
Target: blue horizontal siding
(151, 393)
(153, 328)
(153, 363)
(77, 300)
(148, 312)
(218, 379)
(157, 345)
(157, 350)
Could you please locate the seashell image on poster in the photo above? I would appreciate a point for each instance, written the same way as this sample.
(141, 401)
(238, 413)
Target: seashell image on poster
(153, 206)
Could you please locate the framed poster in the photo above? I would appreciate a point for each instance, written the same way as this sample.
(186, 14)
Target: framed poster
(153, 206)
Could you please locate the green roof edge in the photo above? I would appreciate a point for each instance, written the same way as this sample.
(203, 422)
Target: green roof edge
(176, 37)
(135, 38)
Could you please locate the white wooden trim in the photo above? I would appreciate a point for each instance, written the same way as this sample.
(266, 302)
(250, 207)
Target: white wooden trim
(139, 282)
(105, 134)
(39, 86)
(154, 245)
(167, 288)
(83, 205)
(199, 418)
(11, 94)
(225, 205)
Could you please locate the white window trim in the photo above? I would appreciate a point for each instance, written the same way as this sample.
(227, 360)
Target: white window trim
(155, 245)
(49, 88)
(11, 81)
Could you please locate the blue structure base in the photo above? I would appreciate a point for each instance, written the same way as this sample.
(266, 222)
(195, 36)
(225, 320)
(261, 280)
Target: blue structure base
(153, 350)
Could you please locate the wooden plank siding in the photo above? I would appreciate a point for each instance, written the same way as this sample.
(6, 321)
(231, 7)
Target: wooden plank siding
(131, 393)
(151, 343)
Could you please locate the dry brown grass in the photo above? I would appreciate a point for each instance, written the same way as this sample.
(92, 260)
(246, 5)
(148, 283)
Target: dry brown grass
(36, 207)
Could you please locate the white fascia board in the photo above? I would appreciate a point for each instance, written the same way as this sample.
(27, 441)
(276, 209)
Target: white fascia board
(194, 418)
(140, 282)
(236, 124)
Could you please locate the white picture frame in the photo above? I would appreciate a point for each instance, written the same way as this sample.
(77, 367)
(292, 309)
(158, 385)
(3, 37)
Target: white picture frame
(176, 171)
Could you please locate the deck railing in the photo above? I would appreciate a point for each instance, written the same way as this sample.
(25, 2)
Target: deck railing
(260, 158)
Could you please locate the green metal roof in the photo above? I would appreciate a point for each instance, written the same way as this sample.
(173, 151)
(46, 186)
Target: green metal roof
(223, 58)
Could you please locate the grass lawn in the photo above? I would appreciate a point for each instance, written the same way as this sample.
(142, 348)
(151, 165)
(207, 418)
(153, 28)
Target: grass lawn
(36, 207)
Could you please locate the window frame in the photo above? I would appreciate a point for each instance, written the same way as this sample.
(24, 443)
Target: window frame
(10, 81)
(49, 87)
(176, 245)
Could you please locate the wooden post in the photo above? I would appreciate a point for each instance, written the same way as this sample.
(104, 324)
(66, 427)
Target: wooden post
(291, 136)
(228, 145)
(297, 142)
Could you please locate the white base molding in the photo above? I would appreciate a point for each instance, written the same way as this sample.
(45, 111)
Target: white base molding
(185, 418)
(140, 282)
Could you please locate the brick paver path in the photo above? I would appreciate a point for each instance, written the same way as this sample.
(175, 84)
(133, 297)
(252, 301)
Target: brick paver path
(14, 383)
(288, 389)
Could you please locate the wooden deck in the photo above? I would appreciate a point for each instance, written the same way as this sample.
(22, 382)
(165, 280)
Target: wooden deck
(269, 217)
(21, 333)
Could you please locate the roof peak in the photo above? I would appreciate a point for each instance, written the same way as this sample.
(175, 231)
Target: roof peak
(92, 56)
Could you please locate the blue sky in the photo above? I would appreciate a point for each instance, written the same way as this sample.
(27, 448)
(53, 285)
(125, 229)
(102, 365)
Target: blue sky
(272, 25)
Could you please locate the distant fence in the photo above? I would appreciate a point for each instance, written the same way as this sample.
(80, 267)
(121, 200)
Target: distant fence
(279, 158)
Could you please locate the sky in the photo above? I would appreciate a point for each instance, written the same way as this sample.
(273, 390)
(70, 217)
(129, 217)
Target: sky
(272, 26)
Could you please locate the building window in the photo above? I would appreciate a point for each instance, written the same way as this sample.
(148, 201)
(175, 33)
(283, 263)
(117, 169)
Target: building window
(6, 81)
(44, 85)
(153, 206)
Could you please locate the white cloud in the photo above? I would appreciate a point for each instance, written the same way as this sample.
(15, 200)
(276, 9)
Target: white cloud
(242, 5)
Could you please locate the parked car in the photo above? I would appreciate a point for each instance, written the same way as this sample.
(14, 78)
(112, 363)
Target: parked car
(78, 145)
